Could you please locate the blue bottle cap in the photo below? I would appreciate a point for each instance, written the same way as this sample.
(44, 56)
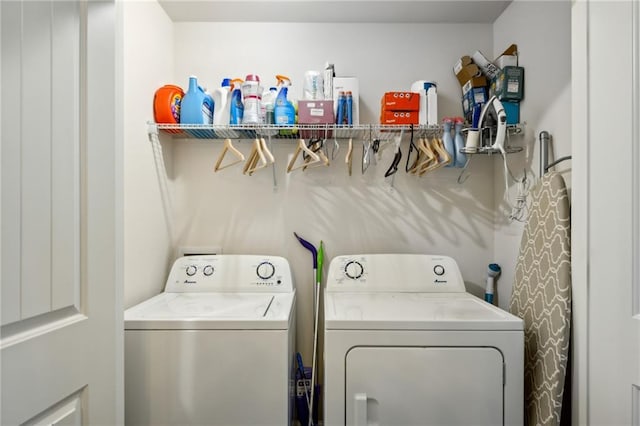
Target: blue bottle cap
(226, 82)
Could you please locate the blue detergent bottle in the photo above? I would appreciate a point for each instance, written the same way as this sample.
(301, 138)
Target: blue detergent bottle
(236, 110)
(197, 108)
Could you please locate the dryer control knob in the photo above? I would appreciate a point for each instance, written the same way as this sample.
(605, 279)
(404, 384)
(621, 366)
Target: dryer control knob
(191, 270)
(207, 270)
(438, 270)
(265, 270)
(353, 270)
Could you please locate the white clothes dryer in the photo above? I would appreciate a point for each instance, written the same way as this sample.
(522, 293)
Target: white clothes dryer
(405, 344)
(216, 347)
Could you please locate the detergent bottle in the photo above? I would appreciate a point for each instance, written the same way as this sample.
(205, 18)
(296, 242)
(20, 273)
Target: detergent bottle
(236, 110)
(447, 139)
(284, 112)
(222, 102)
(458, 142)
(197, 105)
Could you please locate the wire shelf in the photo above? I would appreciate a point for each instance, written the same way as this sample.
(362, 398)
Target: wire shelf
(305, 131)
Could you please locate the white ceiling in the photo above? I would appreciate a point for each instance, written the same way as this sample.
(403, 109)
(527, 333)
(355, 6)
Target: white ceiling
(400, 11)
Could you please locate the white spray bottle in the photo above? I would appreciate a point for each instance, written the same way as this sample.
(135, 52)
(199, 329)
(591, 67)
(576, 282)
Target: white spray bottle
(492, 273)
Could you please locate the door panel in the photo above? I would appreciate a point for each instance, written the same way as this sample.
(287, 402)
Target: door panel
(60, 281)
(424, 385)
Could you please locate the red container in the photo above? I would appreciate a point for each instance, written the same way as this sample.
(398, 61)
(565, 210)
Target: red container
(166, 105)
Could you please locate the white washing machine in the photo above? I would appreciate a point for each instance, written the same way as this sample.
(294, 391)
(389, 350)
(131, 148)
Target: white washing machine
(216, 347)
(405, 344)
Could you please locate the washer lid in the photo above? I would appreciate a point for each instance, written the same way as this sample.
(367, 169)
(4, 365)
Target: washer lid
(415, 311)
(211, 311)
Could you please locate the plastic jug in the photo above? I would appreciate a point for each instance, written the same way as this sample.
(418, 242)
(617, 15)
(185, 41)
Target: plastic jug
(236, 109)
(166, 104)
(197, 105)
(268, 104)
(222, 102)
(447, 139)
(458, 142)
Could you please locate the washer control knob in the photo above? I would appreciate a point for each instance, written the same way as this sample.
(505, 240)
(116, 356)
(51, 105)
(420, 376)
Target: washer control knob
(265, 270)
(438, 270)
(207, 270)
(191, 270)
(353, 269)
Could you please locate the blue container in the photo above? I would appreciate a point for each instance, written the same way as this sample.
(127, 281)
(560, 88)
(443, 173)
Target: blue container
(237, 107)
(197, 108)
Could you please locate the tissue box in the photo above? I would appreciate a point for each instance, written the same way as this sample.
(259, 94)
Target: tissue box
(401, 101)
(315, 112)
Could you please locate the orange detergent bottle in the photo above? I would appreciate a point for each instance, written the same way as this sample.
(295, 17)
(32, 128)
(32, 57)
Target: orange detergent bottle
(166, 105)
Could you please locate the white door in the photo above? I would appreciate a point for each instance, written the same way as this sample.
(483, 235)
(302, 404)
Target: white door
(424, 386)
(606, 212)
(61, 341)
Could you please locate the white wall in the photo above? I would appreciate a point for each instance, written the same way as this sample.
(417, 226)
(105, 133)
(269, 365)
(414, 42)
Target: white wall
(542, 31)
(148, 64)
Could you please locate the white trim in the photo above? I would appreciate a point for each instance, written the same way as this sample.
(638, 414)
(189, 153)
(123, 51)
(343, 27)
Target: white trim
(636, 156)
(579, 210)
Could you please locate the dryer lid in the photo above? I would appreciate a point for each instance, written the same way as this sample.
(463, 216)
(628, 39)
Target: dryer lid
(238, 311)
(414, 311)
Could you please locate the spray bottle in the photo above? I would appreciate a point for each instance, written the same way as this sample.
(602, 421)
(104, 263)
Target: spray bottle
(492, 273)
(284, 112)
(222, 102)
(458, 142)
(236, 109)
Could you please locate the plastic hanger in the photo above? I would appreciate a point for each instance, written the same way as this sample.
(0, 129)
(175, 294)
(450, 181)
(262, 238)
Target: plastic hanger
(318, 148)
(349, 157)
(256, 154)
(266, 151)
(302, 147)
(425, 158)
(228, 146)
(442, 156)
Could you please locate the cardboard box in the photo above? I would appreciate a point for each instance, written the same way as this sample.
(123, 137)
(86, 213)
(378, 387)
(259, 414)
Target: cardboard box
(315, 112)
(474, 82)
(462, 62)
(508, 58)
(475, 96)
(488, 68)
(468, 72)
(347, 84)
(399, 117)
(509, 85)
(512, 109)
(401, 101)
